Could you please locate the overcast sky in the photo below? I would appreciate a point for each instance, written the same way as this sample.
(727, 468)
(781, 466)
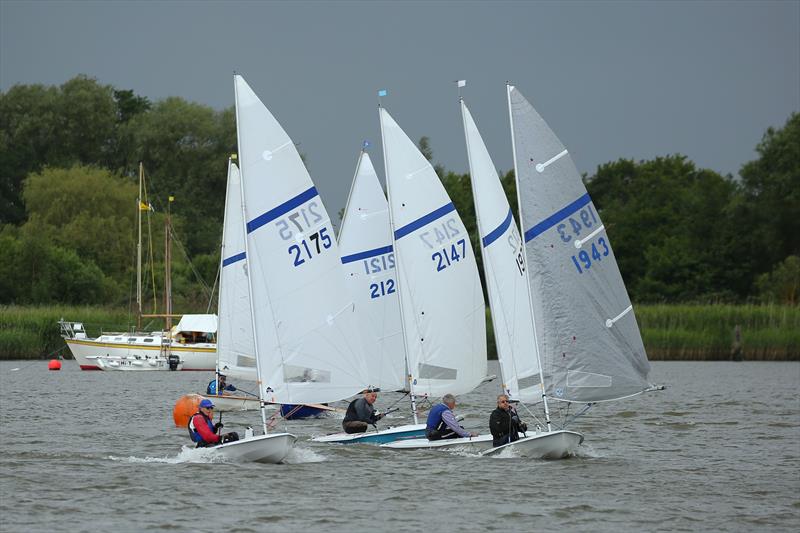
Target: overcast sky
(613, 79)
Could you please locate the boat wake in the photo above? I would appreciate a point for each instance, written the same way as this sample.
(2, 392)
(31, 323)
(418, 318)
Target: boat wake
(303, 455)
(186, 455)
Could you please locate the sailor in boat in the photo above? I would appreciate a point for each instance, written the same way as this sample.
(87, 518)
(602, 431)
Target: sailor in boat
(504, 423)
(213, 386)
(204, 431)
(442, 423)
(361, 413)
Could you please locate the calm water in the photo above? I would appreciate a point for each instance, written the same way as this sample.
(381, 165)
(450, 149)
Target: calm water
(719, 450)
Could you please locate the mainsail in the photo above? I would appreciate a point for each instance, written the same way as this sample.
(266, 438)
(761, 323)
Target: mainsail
(441, 300)
(307, 342)
(235, 346)
(504, 267)
(365, 242)
(589, 342)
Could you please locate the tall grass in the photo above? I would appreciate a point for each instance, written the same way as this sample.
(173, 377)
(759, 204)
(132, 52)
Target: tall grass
(706, 332)
(33, 332)
(670, 332)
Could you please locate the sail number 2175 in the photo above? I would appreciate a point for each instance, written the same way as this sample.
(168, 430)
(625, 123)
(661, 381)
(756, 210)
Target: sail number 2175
(309, 248)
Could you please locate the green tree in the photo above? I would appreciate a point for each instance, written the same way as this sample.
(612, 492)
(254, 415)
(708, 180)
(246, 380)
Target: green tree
(768, 215)
(670, 228)
(88, 210)
(782, 285)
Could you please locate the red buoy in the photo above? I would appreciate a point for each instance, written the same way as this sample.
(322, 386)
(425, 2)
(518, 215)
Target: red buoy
(54, 364)
(185, 407)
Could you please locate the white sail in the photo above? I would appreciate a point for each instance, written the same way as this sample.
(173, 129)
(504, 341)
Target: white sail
(365, 242)
(235, 345)
(504, 269)
(589, 342)
(441, 299)
(306, 336)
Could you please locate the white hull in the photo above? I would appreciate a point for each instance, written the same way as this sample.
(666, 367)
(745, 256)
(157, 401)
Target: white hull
(466, 444)
(193, 357)
(232, 402)
(270, 448)
(134, 364)
(552, 445)
(392, 434)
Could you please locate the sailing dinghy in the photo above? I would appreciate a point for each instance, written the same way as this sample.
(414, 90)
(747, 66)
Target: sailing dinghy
(504, 267)
(235, 344)
(305, 334)
(586, 346)
(441, 300)
(365, 242)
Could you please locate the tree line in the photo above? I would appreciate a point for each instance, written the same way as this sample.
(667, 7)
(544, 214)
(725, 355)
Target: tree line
(68, 181)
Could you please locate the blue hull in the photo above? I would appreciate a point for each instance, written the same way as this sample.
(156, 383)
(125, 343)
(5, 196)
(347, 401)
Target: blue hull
(296, 412)
(376, 438)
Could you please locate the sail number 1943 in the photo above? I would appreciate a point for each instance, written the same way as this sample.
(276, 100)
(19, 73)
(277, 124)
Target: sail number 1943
(583, 260)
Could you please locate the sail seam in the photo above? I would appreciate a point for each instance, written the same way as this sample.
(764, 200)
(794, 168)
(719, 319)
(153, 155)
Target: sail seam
(366, 254)
(424, 220)
(495, 234)
(233, 259)
(281, 210)
(556, 217)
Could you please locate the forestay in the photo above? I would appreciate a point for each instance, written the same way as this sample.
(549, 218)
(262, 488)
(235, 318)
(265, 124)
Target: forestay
(589, 341)
(365, 242)
(504, 269)
(235, 345)
(306, 336)
(441, 299)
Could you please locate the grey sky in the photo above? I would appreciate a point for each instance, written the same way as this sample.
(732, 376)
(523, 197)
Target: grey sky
(613, 79)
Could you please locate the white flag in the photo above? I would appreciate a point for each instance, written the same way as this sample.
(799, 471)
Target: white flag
(462, 83)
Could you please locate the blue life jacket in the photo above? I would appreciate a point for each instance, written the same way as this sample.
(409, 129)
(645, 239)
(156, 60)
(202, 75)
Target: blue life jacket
(212, 387)
(435, 417)
(193, 434)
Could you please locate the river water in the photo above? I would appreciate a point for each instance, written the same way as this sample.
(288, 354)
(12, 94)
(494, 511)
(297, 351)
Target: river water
(718, 450)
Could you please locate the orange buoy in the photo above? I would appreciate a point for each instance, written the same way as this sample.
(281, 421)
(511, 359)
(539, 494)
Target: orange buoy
(55, 364)
(185, 407)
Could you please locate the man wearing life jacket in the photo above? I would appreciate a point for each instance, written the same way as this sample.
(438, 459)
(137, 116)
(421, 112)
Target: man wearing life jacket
(218, 384)
(442, 423)
(360, 413)
(204, 431)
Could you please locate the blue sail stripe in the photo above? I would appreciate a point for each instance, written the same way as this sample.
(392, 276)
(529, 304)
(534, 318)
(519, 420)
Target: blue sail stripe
(494, 235)
(281, 210)
(233, 259)
(424, 221)
(556, 217)
(366, 254)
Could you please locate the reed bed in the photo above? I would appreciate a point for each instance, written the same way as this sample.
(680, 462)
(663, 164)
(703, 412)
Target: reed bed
(670, 332)
(708, 332)
(33, 332)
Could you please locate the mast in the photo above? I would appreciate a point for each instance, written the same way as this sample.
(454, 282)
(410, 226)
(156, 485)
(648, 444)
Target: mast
(139, 253)
(527, 278)
(168, 278)
(410, 377)
(259, 383)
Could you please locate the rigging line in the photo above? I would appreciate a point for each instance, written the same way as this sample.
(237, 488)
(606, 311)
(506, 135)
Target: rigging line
(203, 284)
(398, 401)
